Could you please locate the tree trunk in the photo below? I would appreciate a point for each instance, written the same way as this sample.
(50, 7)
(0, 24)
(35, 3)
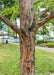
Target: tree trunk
(27, 40)
(27, 55)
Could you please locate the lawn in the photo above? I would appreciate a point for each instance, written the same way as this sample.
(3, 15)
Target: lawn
(10, 61)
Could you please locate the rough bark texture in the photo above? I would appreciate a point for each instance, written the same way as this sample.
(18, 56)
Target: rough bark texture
(27, 54)
(27, 42)
(26, 13)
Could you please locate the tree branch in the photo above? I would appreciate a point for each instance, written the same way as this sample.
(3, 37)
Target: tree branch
(36, 2)
(45, 20)
(11, 25)
(43, 12)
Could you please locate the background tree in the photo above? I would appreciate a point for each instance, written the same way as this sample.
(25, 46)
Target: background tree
(27, 32)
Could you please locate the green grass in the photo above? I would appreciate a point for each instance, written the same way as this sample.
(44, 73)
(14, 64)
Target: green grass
(10, 61)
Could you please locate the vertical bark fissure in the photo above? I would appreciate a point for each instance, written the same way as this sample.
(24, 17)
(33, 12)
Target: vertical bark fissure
(27, 55)
(27, 44)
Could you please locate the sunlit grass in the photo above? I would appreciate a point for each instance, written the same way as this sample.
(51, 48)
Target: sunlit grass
(10, 61)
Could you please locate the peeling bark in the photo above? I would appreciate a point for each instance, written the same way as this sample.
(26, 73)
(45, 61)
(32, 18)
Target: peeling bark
(27, 54)
(26, 13)
(27, 42)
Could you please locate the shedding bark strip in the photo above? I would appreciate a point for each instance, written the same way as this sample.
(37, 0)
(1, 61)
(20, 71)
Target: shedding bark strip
(27, 48)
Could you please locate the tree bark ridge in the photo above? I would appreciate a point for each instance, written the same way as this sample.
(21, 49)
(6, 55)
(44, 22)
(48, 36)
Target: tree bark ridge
(27, 55)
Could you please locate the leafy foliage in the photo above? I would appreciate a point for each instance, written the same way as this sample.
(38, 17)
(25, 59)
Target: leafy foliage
(1, 25)
(10, 9)
(50, 45)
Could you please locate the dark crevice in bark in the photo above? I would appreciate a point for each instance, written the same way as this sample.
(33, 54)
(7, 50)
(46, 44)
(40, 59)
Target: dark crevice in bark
(23, 32)
(27, 52)
(32, 26)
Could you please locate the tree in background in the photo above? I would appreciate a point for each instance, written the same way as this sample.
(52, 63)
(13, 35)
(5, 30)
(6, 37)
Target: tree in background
(27, 32)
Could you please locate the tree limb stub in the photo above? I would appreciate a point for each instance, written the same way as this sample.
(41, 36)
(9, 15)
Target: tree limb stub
(10, 24)
(45, 20)
(36, 2)
(43, 12)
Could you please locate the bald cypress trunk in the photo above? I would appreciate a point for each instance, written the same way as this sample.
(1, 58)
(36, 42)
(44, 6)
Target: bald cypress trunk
(27, 55)
(27, 40)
